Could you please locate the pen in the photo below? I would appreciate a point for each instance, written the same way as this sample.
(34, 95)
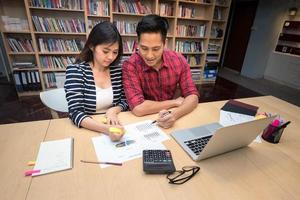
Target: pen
(96, 162)
(163, 116)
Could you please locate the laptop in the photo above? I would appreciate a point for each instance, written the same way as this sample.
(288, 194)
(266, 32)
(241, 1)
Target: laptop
(213, 139)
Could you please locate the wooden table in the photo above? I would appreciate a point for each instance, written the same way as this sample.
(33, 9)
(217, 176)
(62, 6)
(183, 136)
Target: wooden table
(18, 144)
(260, 171)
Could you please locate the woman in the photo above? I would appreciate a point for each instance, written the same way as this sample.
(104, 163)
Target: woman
(94, 84)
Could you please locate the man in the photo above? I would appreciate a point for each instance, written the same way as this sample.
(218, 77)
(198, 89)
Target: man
(151, 75)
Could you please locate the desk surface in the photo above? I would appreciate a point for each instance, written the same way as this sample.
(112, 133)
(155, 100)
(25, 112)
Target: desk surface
(260, 171)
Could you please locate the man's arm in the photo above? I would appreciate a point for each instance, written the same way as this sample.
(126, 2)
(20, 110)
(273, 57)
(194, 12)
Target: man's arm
(150, 107)
(188, 105)
(188, 90)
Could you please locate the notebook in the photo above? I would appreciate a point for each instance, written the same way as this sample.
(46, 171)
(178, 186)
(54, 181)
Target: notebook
(53, 156)
(213, 139)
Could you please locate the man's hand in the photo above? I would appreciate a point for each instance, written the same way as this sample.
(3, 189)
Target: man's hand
(166, 119)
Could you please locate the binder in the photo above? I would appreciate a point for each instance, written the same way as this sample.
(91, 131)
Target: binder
(24, 81)
(240, 107)
(34, 83)
(19, 86)
(37, 78)
(30, 84)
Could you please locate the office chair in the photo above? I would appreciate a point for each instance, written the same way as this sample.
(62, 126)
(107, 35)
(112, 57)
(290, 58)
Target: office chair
(55, 99)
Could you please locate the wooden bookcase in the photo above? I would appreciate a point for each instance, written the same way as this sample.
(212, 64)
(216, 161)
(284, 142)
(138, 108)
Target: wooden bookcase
(196, 30)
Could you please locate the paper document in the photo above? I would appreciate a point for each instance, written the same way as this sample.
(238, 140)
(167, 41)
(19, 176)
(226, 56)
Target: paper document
(138, 136)
(231, 118)
(54, 156)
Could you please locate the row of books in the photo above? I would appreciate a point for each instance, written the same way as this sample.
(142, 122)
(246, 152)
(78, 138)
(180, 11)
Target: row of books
(27, 81)
(131, 6)
(193, 59)
(126, 27)
(56, 62)
(92, 22)
(66, 4)
(23, 65)
(20, 45)
(213, 48)
(189, 46)
(216, 31)
(185, 11)
(14, 23)
(191, 30)
(212, 57)
(97, 7)
(60, 45)
(222, 2)
(49, 24)
(196, 73)
(129, 45)
(166, 9)
(218, 14)
(210, 71)
(54, 79)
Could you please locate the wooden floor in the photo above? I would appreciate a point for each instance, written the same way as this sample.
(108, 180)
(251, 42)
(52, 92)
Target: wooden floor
(14, 110)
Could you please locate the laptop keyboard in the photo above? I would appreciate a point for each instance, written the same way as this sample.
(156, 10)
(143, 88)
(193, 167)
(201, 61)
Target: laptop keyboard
(197, 145)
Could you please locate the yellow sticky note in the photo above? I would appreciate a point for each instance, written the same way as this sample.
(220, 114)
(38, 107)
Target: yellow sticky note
(260, 116)
(103, 120)
(31, 163)
(115, 130)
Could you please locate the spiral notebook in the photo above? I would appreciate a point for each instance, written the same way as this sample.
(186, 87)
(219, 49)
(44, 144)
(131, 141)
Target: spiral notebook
(53, 156)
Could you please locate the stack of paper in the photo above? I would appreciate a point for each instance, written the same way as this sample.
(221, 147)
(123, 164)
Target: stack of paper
(235, 112)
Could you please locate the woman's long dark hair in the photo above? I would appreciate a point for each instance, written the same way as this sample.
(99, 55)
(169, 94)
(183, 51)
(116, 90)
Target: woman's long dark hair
(102, 33)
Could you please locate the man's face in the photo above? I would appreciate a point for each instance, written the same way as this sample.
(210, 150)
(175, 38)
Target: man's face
(151, 49)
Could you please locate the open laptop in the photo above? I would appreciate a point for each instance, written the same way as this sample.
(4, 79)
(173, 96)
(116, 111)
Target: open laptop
(212, 139)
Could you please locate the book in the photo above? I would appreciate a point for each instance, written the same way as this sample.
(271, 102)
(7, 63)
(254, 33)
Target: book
(54, 156)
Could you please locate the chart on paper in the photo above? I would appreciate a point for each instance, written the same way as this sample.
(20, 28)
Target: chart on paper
(138, 136)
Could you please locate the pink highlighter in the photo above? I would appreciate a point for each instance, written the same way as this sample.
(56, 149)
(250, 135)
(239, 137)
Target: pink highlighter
(276, 122)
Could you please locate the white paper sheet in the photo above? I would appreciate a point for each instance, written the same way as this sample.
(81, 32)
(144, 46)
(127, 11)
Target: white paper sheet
(232, 118)
(139, 136)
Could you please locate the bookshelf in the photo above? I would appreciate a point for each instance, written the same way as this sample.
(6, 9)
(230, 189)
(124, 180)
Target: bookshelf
(42, 37)
(289, 38)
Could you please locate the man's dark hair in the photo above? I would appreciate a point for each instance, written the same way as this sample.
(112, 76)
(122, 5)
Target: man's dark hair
(153, 24)
(102, 33)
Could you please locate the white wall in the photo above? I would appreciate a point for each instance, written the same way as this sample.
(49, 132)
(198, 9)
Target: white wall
(260, 60)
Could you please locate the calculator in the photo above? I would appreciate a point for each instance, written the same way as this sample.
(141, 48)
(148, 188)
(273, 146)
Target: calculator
(158, 162)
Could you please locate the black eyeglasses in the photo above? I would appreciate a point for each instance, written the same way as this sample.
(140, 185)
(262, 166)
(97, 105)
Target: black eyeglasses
(182, 176)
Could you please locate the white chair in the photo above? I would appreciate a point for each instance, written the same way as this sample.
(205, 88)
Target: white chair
(55, 99)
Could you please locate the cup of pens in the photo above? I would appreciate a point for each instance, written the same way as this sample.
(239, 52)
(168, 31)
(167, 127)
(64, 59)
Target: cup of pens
(274, 130)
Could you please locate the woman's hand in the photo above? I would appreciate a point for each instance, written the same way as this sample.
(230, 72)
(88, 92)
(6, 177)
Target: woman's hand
(112, 116)
(115, 135)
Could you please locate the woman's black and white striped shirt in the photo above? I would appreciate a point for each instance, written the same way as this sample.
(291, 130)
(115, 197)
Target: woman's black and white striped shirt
(81, 91)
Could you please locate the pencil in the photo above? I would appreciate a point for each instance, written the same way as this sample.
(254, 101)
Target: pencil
(96, 162)
(163, 116)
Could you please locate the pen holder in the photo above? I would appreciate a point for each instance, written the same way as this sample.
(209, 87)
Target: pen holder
(272, 133)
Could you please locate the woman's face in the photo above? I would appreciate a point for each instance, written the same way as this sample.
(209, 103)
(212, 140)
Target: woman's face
(105, 54)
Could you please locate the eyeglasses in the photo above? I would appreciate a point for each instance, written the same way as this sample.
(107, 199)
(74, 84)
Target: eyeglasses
(182, 176)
